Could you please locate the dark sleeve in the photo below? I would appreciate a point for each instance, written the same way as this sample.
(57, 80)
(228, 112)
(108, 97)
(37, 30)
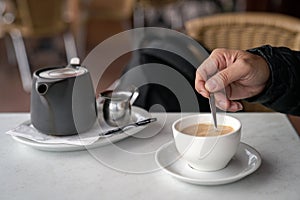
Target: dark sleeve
(282, 94)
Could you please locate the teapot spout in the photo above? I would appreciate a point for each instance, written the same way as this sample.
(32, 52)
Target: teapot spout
(42, 88)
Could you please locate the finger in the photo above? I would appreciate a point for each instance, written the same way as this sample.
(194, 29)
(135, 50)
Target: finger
(221, 100)
(231, 106)
(207, 69)
(218, 60)
(204, 93)
(199, 86)
(223, 103)
(235, 106)
(224, 78)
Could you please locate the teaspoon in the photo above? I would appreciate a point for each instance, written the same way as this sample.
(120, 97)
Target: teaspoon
(213, 109)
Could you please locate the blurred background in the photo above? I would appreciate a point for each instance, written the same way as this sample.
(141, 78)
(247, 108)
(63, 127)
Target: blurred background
(36, 34)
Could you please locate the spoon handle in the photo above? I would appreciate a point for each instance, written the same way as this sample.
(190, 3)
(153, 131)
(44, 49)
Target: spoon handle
(213, 109)
(139, 123)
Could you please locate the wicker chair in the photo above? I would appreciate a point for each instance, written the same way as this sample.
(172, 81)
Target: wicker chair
(35, 18)
(244, 31)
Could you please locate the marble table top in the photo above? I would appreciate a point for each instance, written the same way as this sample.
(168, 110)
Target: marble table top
(127, 169)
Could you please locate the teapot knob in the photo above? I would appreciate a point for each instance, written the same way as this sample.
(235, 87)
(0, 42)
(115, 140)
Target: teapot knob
(75, 61)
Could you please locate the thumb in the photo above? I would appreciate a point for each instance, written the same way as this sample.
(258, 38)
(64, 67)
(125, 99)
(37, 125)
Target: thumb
(223, 78)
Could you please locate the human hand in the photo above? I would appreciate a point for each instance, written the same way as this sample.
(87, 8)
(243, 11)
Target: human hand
(239, 73)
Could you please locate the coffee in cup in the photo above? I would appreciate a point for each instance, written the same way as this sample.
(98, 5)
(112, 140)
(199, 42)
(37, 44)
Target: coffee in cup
(208, 150)
(207, 130)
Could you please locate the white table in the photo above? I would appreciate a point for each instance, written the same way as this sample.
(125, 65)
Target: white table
(27, 173)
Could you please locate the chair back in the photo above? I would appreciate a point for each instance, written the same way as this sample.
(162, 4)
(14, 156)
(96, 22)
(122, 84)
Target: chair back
(40, 18)
(245, 30)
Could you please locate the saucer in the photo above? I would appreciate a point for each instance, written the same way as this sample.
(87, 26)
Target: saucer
(137, 113)
(245, 161)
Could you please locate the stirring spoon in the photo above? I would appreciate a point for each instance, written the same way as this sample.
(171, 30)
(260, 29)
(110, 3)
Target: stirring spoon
(213, 109)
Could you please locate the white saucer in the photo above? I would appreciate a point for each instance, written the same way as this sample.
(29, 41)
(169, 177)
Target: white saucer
(136, 114)
(245, 162)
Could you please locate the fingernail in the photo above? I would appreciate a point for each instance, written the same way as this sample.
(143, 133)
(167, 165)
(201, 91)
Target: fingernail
(204, 94)
(240, 106)
(211, 85)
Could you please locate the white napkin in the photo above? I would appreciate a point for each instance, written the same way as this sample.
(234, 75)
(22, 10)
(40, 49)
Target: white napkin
(27, 130)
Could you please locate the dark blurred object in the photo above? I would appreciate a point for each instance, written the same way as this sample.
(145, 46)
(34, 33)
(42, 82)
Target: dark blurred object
(173, 13)
(288, 7)
(164, 69)
(35, 19)
(155, 3)
(98, 20)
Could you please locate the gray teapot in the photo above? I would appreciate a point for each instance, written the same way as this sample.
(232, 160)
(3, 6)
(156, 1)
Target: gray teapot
(63, 101)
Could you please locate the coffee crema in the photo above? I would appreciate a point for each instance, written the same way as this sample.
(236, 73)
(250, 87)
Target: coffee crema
(206, 130)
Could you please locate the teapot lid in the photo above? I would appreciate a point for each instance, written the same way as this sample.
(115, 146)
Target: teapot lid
(72, 70)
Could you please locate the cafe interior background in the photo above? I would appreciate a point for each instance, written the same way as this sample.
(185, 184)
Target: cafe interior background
(89, 22)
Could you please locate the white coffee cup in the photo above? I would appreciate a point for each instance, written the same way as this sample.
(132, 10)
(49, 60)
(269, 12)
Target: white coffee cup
(207, 153)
